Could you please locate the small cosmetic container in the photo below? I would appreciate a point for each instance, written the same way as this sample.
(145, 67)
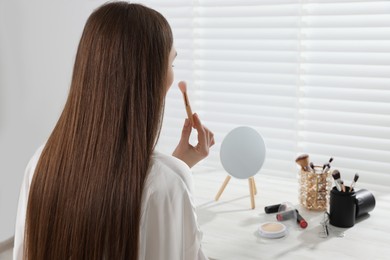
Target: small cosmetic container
(314, 188)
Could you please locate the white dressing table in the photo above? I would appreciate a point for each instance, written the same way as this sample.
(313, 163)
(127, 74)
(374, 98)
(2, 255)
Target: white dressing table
(229, 225)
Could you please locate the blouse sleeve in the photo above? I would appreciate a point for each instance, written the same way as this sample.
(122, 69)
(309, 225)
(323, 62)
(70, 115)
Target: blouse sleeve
(170, 225)
(22, 206)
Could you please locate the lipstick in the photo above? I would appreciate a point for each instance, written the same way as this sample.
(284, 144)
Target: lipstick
(301, 221)
(272, 208)
(291, 214)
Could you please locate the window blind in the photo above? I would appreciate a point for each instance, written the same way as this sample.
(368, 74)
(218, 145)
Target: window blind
(312, 76)
(246, 55)
(345, 86)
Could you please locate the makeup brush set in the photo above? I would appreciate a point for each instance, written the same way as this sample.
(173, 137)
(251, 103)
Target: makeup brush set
(345, 204)
(315, 183)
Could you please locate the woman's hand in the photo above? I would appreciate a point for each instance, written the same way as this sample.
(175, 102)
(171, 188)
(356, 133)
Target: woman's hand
(191, 155)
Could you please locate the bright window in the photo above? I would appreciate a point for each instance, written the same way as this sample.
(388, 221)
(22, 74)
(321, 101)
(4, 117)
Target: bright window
(311, 76)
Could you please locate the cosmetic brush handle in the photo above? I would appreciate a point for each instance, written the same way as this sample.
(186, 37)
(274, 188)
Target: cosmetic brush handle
(188, 108)
(338, 185)
(352, 186)
(342, 186)
(189, 114)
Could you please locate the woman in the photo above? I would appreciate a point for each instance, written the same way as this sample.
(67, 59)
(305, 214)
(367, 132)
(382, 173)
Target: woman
(97, 189)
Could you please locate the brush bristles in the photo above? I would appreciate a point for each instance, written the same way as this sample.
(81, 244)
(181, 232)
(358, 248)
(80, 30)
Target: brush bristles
(302, 157)
(183, 86)
(336, 174)
(356, 177)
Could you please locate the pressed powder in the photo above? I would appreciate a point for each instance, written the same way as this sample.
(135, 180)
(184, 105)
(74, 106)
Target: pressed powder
(272, 230)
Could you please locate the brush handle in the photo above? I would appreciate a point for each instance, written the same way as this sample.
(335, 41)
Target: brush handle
(188, 108)
(352, 186)
(189, 114)
(338, 184)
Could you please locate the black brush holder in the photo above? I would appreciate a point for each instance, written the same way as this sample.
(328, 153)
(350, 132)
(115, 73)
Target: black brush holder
(346, 207)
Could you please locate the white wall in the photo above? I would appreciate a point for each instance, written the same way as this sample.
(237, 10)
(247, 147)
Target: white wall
(38, 42)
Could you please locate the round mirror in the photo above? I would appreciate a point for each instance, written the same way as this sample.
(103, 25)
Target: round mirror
(242, 152)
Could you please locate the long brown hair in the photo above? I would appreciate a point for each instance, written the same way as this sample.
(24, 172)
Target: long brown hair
(85, 197)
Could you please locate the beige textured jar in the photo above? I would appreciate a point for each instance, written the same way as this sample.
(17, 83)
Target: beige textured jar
(314, 188)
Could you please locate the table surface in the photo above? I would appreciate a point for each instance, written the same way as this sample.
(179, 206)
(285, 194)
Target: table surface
(230, 226)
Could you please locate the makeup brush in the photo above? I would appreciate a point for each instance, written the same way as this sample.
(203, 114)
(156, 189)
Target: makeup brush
(354, 182)
(183, 89)
(342, 186)
(336, 176)
(303, 161)
(312, 167)
(327, 165)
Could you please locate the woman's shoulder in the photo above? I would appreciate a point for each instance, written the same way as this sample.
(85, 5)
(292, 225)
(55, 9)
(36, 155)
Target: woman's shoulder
(168, 173)
(30, 169)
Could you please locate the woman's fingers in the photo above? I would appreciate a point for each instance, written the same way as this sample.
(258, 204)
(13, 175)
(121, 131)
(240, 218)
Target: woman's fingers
(185, 151)
(205, 136)
(210, 137)
(202, 135)
(186, 132)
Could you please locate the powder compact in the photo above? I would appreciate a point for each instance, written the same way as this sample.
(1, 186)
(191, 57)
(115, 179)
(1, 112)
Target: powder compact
(272, 230)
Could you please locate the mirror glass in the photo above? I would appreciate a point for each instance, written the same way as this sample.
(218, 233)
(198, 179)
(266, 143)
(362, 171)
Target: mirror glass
(242, 152)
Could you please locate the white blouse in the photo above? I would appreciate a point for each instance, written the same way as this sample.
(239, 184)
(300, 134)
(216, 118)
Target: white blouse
(169, 228)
